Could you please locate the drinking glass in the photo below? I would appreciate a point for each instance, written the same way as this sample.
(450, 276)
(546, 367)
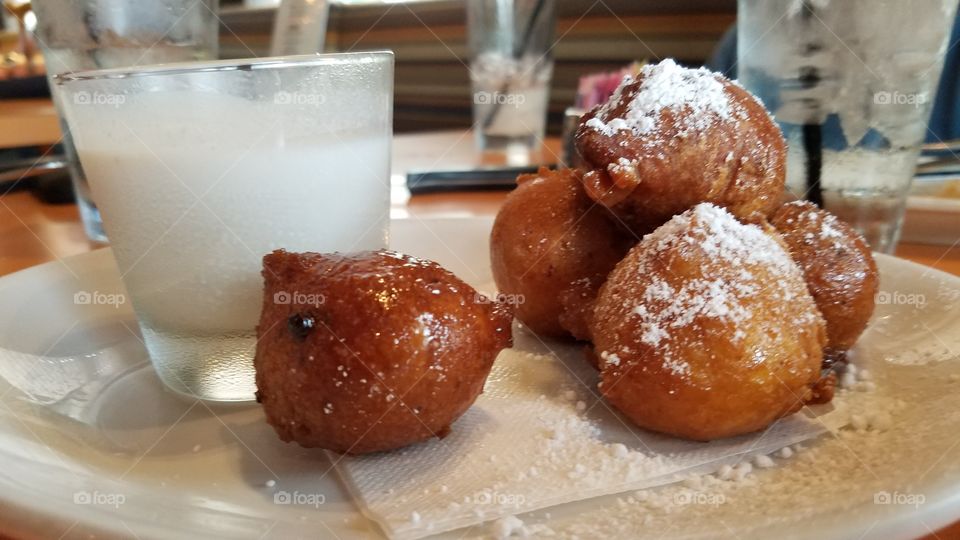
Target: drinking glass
(851, 84)
(82, 35)
(510, 68)
(200, 169)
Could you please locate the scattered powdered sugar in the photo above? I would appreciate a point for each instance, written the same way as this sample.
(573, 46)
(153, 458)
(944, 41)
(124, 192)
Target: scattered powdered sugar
(652, 334)
(668, 86)
(621, 164)
(738, 251)
(764, 462)
(876, 423)
(829, 226)
(506, 527)
(610, 358)
(856, 379)
(741, 471)
(890, 434)
(720, 235)
(538, 436)
(873, 435)
(697, 297)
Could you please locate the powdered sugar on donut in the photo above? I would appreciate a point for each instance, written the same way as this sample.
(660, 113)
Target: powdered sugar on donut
(666, 306)
(721, 236)
(668, 86)
(830, 227)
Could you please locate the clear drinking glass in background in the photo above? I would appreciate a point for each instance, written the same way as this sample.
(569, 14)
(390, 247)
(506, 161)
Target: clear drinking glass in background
(510, 69)
(81, 35)
(851, 84)
(200, 169)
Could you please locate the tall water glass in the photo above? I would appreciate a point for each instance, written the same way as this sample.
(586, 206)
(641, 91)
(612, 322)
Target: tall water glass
(81, 35)
(200, 169)
(851, 84)
(511, 64)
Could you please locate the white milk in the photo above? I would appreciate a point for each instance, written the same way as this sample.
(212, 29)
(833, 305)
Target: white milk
(191, 209)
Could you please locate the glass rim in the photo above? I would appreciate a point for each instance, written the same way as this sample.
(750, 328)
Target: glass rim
(206, 66)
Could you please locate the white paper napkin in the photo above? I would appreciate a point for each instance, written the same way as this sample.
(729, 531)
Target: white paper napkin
(539, 436)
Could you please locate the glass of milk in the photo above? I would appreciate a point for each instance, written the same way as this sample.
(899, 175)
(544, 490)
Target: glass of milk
(202, 168)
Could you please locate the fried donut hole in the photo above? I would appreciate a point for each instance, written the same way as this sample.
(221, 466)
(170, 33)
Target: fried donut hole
(706, 329)
(837, 265)
(371, 351)
(551, 248)
(675, 137)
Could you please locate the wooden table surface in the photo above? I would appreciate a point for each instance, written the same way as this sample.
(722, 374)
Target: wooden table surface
(28, 122)
(32, 233)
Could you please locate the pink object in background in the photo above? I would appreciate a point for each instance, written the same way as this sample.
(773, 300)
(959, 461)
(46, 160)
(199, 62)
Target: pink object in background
(597, 88)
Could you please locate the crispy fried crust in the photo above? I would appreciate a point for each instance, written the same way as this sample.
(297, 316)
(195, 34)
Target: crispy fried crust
(646, 179)
(742, 349)
(551, 247)
(825, 388)
(837, 266)
(371, 351)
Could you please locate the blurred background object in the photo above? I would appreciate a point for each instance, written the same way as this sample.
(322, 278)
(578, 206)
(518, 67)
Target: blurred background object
(944, 122)
(299, 27)
(433, 88)
(429, 37)
(852, 94)
(511, 62)
(79, 35)
(22, 61)
(596, 88)
(592, 90)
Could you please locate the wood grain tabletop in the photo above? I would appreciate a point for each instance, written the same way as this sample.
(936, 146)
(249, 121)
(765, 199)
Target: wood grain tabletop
(32, 233)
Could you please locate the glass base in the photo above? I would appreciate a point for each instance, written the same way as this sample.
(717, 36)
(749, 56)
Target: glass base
(211, 368)
(878, 217)
(514, 151)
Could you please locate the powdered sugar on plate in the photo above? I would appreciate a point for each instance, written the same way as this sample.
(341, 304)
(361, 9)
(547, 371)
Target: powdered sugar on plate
(864, 471)
(890, 453)
(537, 437)
(698, 94)
(899, 411)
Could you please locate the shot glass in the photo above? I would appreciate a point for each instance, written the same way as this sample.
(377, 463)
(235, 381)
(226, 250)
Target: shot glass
(200, 169)
(82, 35)
(852, 85)
(510, 69)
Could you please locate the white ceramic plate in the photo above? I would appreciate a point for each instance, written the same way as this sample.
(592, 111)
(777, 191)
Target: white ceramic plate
(91, 443)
